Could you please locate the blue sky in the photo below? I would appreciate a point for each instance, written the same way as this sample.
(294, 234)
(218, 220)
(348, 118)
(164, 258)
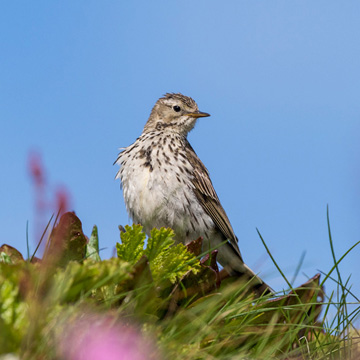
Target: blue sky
(280, 79)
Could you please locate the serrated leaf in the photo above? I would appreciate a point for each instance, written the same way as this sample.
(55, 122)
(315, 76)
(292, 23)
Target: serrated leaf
(168, 261)
(173, 263)
(160, 240)
(131, 248)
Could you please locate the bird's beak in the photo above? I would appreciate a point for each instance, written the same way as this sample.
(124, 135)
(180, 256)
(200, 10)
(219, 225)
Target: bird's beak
(197, 114)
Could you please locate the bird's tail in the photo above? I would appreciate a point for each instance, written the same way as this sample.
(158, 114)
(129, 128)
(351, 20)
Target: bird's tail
(259, 286)
(229, 257)
(255, 284)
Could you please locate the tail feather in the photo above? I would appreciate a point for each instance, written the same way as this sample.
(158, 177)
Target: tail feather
(232, 262)
(261, 285)
(256, 284)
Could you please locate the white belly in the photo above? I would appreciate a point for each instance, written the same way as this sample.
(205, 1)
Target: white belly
(158, 198)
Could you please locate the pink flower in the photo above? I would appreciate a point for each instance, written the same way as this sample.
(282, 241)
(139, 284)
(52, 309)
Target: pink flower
(36, 169)
(96, 337)
(62, 201)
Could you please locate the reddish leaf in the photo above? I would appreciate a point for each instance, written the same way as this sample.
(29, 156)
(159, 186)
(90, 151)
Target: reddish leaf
(14, 254)
(67, 241)
(195, 246)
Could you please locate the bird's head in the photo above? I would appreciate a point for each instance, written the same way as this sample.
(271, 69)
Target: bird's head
(174, 112)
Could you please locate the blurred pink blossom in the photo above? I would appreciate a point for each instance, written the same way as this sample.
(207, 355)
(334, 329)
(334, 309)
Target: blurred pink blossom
(36, 169)
(96, 337)
(62, 201)
(59, 203)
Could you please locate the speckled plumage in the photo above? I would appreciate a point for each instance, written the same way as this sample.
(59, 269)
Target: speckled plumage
(166, 184)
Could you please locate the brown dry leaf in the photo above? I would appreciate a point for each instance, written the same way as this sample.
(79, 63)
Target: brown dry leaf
(301, 301)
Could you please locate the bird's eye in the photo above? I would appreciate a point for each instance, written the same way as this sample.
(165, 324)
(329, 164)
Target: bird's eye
(176, 108)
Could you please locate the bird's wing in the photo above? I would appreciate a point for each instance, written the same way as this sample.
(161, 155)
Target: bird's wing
(205, 193)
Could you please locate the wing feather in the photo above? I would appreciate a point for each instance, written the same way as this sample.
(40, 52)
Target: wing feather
(205, 193)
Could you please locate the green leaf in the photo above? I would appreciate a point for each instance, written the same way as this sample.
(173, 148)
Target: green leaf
(168, 261)
(132, 244)
(160, 240)
(13, 312)
(174, 263)
(92, 247)
(5, 258)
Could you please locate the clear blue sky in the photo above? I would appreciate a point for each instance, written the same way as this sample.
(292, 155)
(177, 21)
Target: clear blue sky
(280, 79)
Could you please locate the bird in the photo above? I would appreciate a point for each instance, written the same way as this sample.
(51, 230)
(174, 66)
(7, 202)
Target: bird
(165, 184)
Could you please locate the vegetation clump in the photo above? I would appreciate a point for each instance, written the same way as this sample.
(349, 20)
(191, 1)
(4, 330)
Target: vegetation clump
(156, 300)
